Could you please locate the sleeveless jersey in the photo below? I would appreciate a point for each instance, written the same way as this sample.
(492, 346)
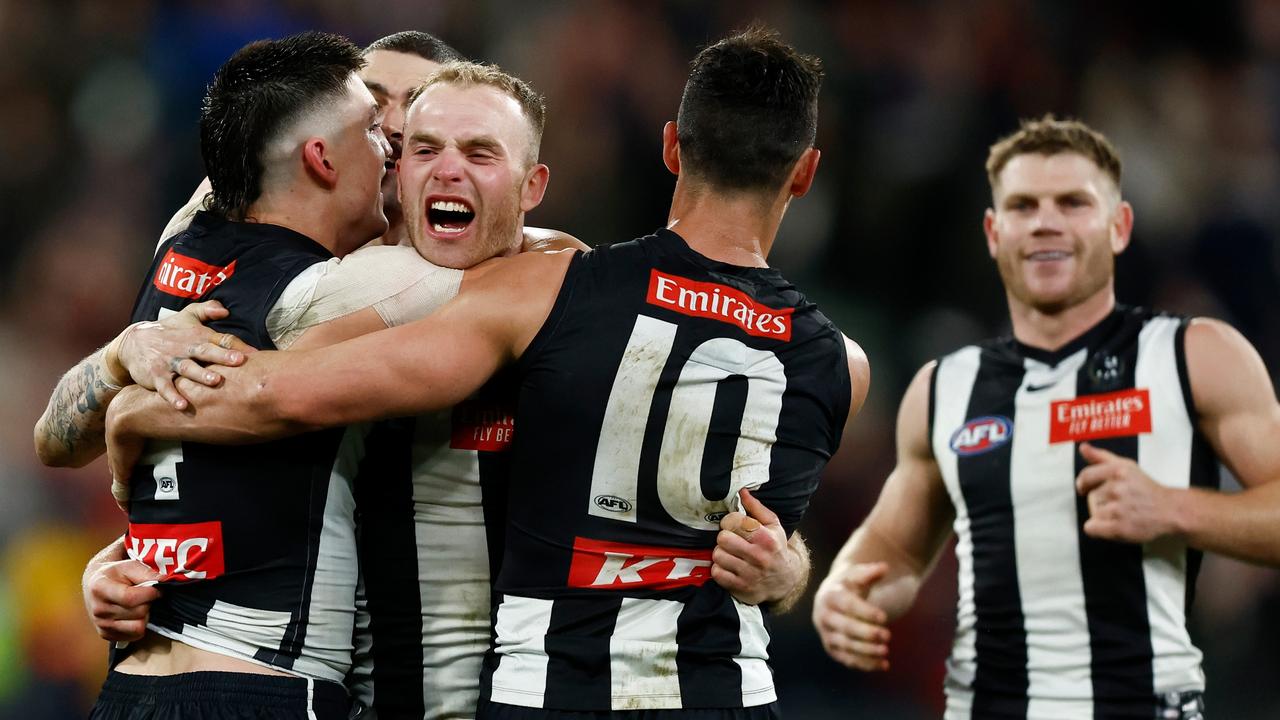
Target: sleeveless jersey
(255, 543)
(661, 383)
(430, 491)
(1051, 622)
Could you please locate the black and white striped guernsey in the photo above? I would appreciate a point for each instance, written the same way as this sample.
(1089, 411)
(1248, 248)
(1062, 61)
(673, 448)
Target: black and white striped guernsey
(256, 543)
(661, 383)
(1053, 624)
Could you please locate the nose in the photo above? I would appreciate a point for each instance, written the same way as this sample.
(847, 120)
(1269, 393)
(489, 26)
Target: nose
(393, 122)
(1048, 220)
(385, 146)
(448, 166)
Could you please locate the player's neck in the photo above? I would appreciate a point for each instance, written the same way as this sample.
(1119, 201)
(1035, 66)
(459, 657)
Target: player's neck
(734, 228)
(1051, 331)
(313, 219)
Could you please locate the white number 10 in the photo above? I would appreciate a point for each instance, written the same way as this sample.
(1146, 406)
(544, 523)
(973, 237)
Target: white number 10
(616, 475)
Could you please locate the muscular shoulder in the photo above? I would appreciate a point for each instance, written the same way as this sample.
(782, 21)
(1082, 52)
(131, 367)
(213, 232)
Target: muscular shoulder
(859, 375)
(913, 414)
(1224, 370)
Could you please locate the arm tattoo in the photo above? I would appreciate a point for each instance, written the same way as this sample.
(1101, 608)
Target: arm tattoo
(73, 426)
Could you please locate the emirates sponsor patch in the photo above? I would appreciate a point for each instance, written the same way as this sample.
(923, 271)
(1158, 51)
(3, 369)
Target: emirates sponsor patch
(187, 277)
(719, 302)
(614, 566)
(1092, 417)
(184, 551)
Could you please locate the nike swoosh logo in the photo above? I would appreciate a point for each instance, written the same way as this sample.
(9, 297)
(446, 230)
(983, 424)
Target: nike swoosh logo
(1038, 388)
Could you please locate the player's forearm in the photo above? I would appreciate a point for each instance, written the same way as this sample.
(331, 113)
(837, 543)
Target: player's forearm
(802, 566)
(218, 416)
(70, 433)
(1243, 525)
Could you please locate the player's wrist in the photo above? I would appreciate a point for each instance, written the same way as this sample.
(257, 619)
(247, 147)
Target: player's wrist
(112, 368)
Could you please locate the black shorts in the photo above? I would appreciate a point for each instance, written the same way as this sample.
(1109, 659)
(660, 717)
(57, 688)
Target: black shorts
(498, 711)
(218, 695)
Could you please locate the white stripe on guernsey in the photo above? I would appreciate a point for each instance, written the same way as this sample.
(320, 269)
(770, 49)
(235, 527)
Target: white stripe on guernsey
(311, 699)
(1165, 455)
(1046, 542)
(453, 568)
(642, 655)
(953, 383)
(959, 703)
(360, 680)
(757, 679)
(617, 465)
(521, 627)
(330, 617)
(224, 616)
(164, 456)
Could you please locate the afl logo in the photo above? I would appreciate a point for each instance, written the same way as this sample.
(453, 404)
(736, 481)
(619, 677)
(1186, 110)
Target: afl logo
(613, 503)
(981, 435)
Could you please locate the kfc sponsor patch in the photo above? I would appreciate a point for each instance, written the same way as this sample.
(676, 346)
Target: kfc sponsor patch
(189, 278)
(719, 302)
(185, 551)
(615, 566)
(1092, 417)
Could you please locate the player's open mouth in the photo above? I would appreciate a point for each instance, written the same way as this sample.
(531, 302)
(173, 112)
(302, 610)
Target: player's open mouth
(449, 217)
(1049, 255)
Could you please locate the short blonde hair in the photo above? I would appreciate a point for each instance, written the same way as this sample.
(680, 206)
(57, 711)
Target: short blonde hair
(469, 74)
(1050, 136)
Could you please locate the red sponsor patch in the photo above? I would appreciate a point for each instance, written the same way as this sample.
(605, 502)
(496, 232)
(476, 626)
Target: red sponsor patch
(187, 551)
(614, 566)
(1091, 417)
(481, 425)
(187, 277)
(719, 302)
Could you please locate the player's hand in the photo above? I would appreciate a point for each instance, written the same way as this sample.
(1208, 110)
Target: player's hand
(117, 599)
(852, 628)
(752, 559)
(1124, 502)
(154, 353)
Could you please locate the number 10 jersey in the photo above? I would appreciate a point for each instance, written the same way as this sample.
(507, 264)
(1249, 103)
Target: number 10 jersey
(661, 383)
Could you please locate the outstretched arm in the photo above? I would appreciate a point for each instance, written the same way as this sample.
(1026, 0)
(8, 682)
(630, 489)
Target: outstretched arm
(876, 576)
(426, 365)
(1240, 417)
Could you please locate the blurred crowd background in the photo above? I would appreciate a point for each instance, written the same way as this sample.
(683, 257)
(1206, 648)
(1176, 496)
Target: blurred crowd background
(98, 108)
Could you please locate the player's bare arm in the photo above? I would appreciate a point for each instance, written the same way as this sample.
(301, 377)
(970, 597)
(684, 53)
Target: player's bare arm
(754, 560)
(425, 365)
(70, 432)
(1238, 414)
(877, 574)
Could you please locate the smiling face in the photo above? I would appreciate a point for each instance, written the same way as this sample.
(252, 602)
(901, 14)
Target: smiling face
(1057, 225)
(391, 76)
(466, 174)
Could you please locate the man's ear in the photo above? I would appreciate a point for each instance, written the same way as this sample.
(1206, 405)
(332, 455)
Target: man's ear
(671, 148)
(802, 174)
(315, 159)
(534, 187)
(989, 229)
(1121, 227)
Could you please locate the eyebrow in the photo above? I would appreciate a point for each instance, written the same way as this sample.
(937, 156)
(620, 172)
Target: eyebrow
(376, 87)
(485, 142)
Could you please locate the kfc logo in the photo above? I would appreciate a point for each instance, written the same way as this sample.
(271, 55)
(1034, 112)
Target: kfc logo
(613, 566)
(719, 302)
(1092, 417)
(189, 278)
(186, 551)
